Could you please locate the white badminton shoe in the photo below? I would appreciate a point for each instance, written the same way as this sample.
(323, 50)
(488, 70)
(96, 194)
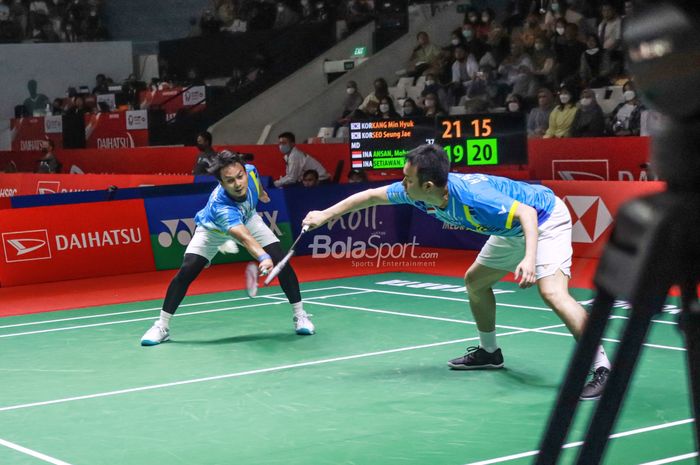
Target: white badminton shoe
(303, 325)
(155, 335)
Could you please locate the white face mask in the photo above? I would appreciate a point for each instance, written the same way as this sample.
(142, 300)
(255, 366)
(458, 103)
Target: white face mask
(455, 41)
(280, 8)
(429, 82)
(384, 108)
(586, 101)
(350, 90)
(629, 95)
(592, 51)
(560, 31)
(513, 106)
(539, 46)
(565, 98)
(429, 102)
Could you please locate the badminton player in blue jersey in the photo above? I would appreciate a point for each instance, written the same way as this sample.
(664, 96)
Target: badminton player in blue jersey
(230, 214)
(530, 235)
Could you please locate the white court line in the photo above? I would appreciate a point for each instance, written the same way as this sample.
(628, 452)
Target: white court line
(633, 432)
(677, 458)
(85, 317)
(249, 372)
(33, 453)
(452, 320)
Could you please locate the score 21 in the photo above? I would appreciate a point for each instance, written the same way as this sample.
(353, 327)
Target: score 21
(479, 148)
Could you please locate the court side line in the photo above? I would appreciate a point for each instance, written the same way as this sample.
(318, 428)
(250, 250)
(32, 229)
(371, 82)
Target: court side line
(85, 317)
(677, 458)
(33, 453)
(250, 372)
(452, 320)
(633, 432)
(498, 304)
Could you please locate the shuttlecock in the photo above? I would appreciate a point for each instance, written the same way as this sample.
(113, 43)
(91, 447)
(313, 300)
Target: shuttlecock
(228, 247)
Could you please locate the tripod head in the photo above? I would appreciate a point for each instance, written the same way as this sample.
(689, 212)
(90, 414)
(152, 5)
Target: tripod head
(663, 47)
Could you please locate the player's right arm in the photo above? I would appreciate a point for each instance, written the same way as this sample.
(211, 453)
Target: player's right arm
(246, 239)
(358, 201)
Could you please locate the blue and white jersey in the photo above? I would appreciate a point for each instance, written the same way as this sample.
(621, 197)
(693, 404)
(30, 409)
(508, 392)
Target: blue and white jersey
(222, 212)
(483, 203)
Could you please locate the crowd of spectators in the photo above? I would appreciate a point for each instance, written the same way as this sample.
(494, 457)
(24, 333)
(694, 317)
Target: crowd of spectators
(51, 21)
(542, 58)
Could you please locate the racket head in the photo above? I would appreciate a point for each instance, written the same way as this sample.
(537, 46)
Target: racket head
(251, 279)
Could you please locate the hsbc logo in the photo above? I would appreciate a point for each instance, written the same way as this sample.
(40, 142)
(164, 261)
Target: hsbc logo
(48, 187)
(590, 216)
(26, 246)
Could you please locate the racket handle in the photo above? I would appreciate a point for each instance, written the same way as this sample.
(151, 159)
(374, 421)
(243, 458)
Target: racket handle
(305, 228)
(277, 268)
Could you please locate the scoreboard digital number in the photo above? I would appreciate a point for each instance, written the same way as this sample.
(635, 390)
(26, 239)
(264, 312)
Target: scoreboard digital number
(468, 140)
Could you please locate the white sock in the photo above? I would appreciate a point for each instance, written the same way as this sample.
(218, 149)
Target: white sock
(601, 360)
(488, 341)
(164, 320)
(298, 308)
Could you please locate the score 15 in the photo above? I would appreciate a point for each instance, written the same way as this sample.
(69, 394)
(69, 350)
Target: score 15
(478, 151)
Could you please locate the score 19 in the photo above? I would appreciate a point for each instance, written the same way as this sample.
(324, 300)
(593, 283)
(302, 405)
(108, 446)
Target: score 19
(453, 129)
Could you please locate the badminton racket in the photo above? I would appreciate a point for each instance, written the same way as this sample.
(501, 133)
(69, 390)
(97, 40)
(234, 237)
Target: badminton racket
(282, 263)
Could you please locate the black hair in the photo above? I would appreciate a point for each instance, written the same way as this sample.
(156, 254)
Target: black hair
(313, 173)
(206, 135)
(431, 164)
(288, 135)
(223, 159)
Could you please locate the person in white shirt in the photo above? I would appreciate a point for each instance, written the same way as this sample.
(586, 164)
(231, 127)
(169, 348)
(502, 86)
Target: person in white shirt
(297, 162)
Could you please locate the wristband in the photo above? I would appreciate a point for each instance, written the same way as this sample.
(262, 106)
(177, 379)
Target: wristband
(264, 256)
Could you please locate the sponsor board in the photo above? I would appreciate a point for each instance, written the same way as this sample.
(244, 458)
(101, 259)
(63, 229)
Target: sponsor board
(194, 96)
(28, 134)
(112, 130)
(44, 244)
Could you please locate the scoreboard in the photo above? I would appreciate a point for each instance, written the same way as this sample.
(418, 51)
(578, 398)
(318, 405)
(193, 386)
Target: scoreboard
(468, 140)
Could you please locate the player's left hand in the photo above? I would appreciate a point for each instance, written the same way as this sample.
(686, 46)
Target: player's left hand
(264, 198)
(525, 273)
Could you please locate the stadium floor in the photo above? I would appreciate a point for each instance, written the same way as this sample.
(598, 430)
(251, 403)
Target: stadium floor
(236, 385)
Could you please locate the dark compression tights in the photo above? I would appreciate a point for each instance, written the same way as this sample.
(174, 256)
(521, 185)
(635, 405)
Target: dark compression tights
(193, 264)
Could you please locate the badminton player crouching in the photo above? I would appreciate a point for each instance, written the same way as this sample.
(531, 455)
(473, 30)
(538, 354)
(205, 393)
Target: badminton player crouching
(530, 235)
(230, 213)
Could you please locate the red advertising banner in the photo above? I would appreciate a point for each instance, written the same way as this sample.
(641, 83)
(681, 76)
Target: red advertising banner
(174, 99)
(29, 133)
(593, 205)
(588, 159)
(116, 130)
(14, 184)
(63, 242)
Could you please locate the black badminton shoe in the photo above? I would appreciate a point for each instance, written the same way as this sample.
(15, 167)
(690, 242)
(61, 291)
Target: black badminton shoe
(594, 388)
(477, 358)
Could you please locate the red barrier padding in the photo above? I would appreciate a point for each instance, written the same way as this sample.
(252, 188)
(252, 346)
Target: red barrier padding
(64, 242)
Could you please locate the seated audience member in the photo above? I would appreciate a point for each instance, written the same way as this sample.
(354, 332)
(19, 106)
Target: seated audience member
(431, 106)
(543, 62)
(425, 56)
(562, 116)
(310, 178)
(351, 102)
(538, 118)
(514, 104)
(356, 175)
(593, 64)
(626, 117)
(370, 105)
(205, 155)
(297, 162)
(48, 163)
(477, 105)
(386, 109)
(589, 120)
(568, 56)
(464, 69)
(483, 86)
(410, 108)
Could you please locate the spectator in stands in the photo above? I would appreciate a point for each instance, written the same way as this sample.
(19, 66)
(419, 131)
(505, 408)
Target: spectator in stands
(57, 106)
(514, 104)
(477, 105)
(464, 69)
(356, 175)
(433, 86)
(516, 67)
(456, 40)
(558, 35)
(10, 31)
(92, 26)
(594, 68)
(472, 43)
(370, 105)
(568, 55)
(36, 103)
(206, 154)
(488, 16)
(351, 102)
(626, 117)
(309, 178)
(431, 106)
(483, 86)
(48, 163)
(498, 45)
(558, 9)
(538, 118)
(100, 84)
(610, 36)
(68, 33)
(543, 62)
(471, 16)
(20, 13)
(425, 56)
(297, 162)
(386, 109)
(38, 14)
(411, 109)
(589, 120)
(209, 24)
(562, 116)
(285, 16)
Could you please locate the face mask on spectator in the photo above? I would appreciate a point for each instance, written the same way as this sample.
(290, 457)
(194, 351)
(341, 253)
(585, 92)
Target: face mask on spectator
(539, 46)
(629, 95)
(350, 90)
(485, 18)
(555, 7)
(467, 33)
(384, 108)
(407, 110)
(513, 106)
(280, 8)
(429, 102)
(592, 51)
(285, 148)
(429, 82)
(586, 101)
(473, 18)
(561, 30)
(565, 98)
(454, 41)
